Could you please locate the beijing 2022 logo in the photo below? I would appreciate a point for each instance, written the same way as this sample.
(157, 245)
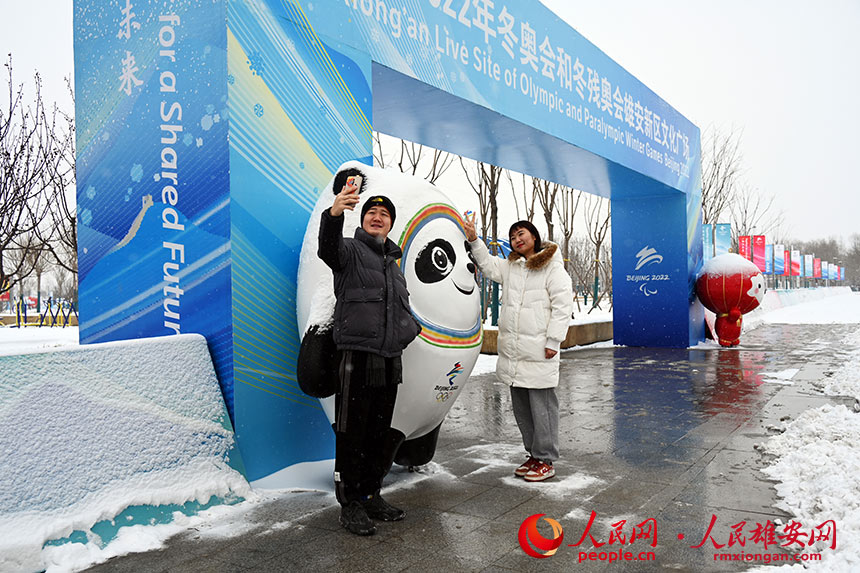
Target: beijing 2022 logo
(531, 540)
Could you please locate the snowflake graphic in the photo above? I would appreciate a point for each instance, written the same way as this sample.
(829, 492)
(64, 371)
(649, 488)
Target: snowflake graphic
(258, 110)
(255, 63)
(230, 79)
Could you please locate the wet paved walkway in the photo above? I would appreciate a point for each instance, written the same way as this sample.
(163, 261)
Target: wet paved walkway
(660, 434)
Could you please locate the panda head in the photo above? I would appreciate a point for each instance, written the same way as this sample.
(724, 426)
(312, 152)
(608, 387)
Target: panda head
(439, 269)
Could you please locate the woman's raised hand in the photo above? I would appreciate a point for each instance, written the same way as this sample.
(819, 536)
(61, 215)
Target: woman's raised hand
(469, 227)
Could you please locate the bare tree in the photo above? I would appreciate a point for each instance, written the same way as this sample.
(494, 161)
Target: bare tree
(439, 164)
(66, 285)
(597, 226)
(378, 155)
(411, 157)
(852, 261)
(37, 261)
(826, 249)
(62, 241)
(484, 180)
(528, 198)
(546, 192)
(721, 170)
(580, 264)
(566, 210)
(26, 145)
(753, 213)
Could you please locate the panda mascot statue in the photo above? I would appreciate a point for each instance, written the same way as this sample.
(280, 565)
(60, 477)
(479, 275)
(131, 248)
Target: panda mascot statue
(444, 298)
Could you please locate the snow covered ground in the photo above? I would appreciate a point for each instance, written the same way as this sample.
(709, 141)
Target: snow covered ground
(34, 339)
(817, 455)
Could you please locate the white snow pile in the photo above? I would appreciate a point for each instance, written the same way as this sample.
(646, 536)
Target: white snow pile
(14, 340)
(90, 432)
(817, 473)
(845, 381)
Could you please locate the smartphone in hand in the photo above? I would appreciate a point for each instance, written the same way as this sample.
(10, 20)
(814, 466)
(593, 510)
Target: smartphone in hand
(354, 181)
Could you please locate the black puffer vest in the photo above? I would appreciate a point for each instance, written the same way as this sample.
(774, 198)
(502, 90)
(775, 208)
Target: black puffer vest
(372, 309)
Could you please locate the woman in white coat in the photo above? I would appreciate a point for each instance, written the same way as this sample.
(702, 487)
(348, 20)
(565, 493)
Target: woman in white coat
(537, 301)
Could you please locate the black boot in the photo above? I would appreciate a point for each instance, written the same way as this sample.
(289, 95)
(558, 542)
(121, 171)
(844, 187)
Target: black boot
(353, 517)
(378, 508)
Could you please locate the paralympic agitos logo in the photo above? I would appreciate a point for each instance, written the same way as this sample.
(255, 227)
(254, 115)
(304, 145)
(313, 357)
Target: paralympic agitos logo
(531, 540)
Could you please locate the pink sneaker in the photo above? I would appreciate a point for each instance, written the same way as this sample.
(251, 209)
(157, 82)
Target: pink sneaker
(526, 467)
(539, 472)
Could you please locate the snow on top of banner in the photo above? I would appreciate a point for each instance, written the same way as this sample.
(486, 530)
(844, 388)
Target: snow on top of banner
(728, 264)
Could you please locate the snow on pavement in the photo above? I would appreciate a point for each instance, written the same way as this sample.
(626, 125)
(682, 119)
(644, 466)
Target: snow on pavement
(817, 455)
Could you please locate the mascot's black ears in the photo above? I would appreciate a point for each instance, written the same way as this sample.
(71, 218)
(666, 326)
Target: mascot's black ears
(341, 177)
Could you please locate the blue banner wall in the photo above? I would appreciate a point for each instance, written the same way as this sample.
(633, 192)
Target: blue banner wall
(651, 272)
(207, 130)
(292, 123)
(521, 62)
(152, 173)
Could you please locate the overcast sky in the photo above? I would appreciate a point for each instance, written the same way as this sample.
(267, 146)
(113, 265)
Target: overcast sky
(784, 72)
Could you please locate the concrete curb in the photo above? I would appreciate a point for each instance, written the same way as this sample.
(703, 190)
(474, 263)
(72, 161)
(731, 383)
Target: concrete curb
(577, 335)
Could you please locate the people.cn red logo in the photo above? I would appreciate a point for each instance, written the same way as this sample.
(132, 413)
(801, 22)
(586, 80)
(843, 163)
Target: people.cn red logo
(536, 545)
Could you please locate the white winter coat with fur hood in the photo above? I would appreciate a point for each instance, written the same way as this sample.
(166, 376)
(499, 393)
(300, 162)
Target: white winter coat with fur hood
(537, 300)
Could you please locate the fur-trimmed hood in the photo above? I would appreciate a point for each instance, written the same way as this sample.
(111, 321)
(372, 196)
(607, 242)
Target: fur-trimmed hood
(540, 259)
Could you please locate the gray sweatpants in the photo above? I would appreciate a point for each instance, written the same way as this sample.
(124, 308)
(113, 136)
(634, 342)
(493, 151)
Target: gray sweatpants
(536, 412)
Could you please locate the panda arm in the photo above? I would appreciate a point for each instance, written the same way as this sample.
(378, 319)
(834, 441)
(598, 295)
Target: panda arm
(332, 249)
(490, 266)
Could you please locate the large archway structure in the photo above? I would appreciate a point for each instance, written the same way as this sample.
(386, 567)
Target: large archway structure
(206, 131)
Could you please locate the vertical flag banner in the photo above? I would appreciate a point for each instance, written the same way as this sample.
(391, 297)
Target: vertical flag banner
(787, 257)
(778, 259)
(795, 263)
(722, 238)
(708, 241)
(816, 268)
(807, 266)
(758, 243)
(745, 247)
(768, 259)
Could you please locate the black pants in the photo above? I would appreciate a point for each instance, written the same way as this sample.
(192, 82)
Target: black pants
(364, 440)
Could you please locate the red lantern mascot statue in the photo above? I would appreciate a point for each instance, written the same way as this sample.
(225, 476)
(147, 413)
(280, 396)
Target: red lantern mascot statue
(730, 286)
